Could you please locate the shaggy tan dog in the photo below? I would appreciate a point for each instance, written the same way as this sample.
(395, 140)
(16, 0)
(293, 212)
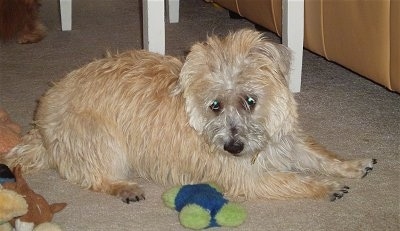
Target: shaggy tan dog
(225, 115)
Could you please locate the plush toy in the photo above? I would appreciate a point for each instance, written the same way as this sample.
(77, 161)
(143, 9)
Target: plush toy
(203, 206)
(39, 210)
(9, 132)
(5, 174)
(25, 226)
(11, 205)
(47, 227)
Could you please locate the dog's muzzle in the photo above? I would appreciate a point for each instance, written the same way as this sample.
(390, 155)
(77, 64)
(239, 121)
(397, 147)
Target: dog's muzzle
(234, 146)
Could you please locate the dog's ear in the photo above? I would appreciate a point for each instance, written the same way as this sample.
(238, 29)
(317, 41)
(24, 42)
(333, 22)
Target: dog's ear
(192, 69)
(282, 117)
(278, 54)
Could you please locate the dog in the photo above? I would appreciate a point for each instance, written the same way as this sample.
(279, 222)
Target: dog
(224, 115)
(20, 19)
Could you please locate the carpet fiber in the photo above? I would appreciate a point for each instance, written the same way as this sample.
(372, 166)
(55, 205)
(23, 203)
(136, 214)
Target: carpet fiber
(344, 111)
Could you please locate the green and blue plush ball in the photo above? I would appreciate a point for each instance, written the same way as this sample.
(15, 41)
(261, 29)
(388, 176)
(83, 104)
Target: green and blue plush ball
(203, 206)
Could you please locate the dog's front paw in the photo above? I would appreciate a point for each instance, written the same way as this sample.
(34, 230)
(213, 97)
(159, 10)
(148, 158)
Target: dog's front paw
(356, 168)
(339, 193)
(369, 167)
(334, 190)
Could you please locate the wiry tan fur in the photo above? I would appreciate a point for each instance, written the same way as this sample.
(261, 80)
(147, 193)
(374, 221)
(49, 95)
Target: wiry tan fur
(150, 114)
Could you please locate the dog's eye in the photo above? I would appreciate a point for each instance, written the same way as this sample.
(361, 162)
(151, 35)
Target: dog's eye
(216, 106)
(250, 102)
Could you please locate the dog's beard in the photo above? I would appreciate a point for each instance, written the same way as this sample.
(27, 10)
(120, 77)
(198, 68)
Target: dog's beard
(236, 136)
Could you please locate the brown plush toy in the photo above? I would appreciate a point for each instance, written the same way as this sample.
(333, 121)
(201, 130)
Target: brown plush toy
(11, 205)
(39, 210)
(9, 132)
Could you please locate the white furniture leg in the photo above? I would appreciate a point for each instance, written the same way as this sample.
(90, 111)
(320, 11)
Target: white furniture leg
(293, 37)
(173, 11)
(66, 14)
(154, 26)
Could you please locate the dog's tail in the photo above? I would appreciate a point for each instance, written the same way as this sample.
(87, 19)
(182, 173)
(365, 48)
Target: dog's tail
(30, 153)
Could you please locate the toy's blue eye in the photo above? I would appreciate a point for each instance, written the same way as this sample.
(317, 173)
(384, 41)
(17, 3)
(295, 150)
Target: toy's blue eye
(216, 106)
(250, 102)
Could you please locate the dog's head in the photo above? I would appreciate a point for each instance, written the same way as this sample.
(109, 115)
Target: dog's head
(236, 91)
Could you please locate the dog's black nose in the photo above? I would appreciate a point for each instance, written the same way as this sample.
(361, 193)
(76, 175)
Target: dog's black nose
(234, 147)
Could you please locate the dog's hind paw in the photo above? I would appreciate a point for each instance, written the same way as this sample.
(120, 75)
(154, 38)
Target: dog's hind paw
(131, 194)
(127, 191)
(133, 198)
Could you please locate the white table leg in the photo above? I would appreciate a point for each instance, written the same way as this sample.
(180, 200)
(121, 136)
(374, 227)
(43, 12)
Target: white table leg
(293, 37)
(66, 14)
(154, 26)
(173, 11)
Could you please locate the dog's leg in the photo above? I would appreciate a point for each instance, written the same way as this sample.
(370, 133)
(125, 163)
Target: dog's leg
(287, 185)
(90, 150)
(313, 157)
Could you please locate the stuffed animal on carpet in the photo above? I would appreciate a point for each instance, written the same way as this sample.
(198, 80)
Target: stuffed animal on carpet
(5, 174)
(203, 206)
(12, 205)
(9, 132)
(39, 210)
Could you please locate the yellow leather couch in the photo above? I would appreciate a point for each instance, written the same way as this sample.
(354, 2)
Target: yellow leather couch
(362, 35)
